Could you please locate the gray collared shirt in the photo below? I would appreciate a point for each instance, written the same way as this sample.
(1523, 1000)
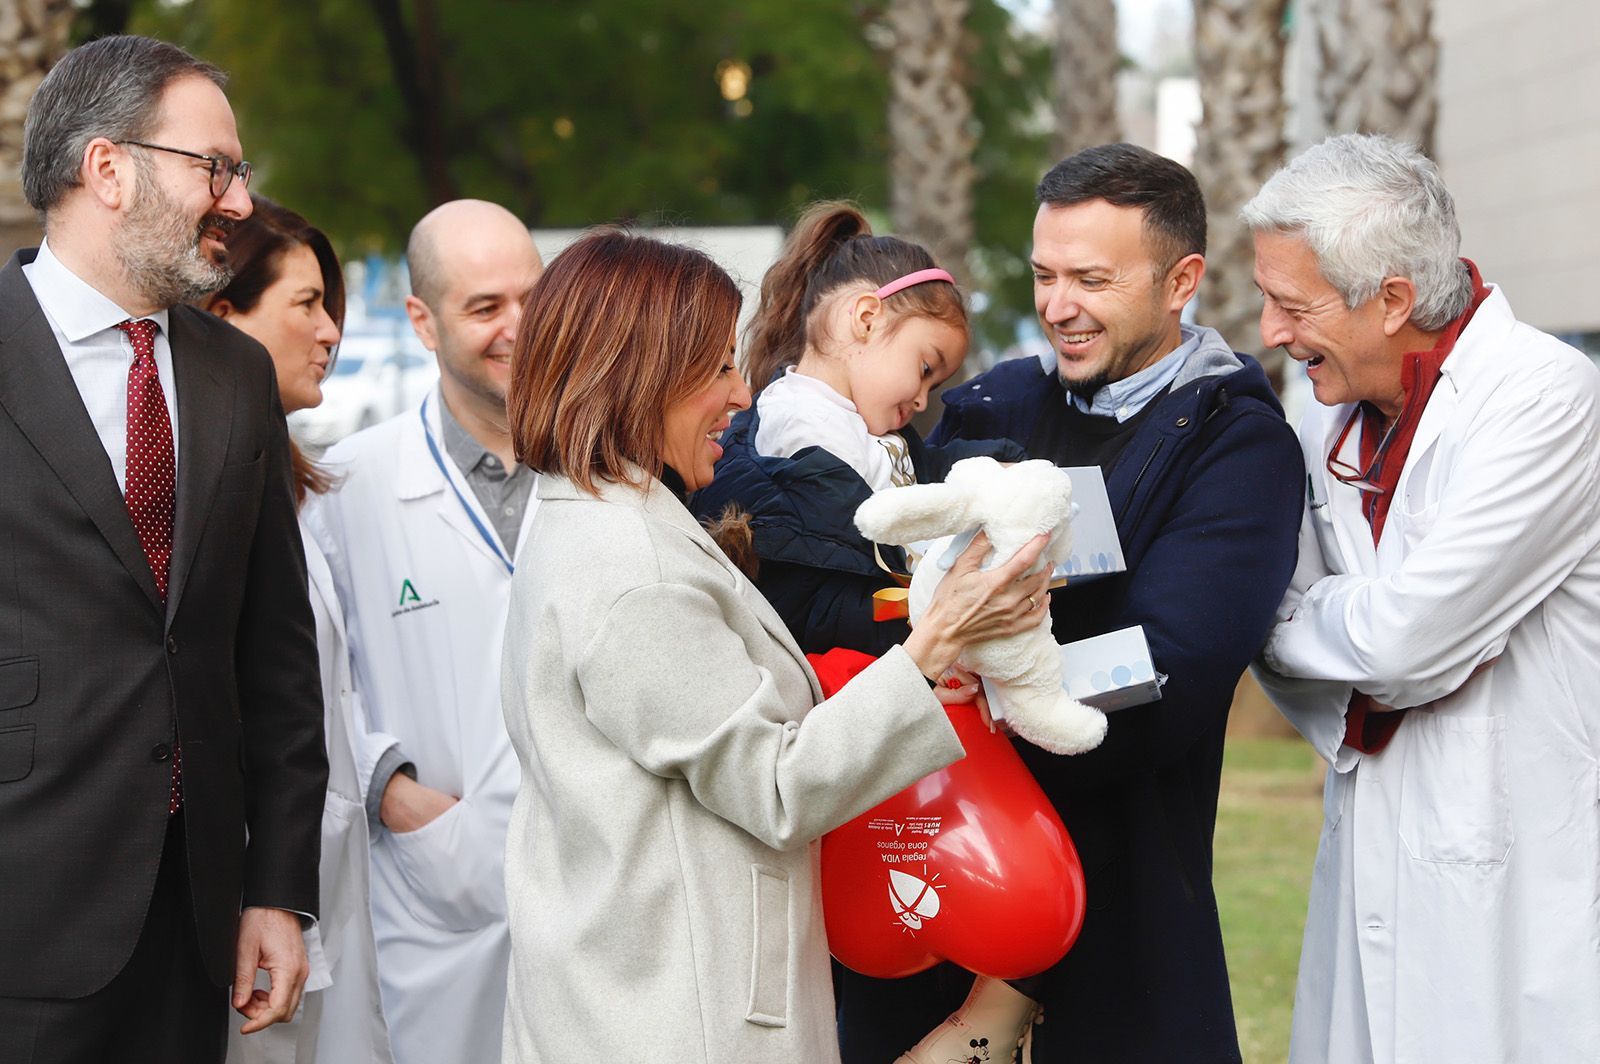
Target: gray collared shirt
(503, 495)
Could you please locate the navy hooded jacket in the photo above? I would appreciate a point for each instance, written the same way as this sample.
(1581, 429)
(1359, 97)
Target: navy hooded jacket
(1207, 501)
(818, 572)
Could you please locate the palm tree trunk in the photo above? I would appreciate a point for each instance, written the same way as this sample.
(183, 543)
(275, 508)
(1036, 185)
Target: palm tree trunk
(1239, 47)
(931, 140)
(418, 71)
(33, 35)
(1085, 75)
(1378, 67)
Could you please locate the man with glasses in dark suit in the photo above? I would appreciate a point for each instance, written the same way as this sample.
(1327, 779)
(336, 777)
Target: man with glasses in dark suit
(159, 695)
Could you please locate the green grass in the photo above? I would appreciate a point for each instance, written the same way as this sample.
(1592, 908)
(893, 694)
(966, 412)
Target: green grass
(1268, 817)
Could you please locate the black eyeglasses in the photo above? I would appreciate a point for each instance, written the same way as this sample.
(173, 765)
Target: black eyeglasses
(223, 169)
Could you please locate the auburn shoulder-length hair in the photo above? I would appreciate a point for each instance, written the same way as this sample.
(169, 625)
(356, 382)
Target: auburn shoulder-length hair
(619, 328)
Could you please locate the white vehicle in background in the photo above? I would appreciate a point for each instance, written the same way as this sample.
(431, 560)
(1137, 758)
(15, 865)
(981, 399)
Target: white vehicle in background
(375, 376)
(382, 368)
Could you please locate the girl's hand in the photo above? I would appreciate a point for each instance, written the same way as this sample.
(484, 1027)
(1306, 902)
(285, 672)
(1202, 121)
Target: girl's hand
(958, 687)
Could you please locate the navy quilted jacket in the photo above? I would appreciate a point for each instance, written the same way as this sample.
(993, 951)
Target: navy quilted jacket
(818, 572)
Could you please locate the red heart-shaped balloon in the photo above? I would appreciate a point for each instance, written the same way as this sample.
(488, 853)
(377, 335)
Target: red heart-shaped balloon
(970, 864)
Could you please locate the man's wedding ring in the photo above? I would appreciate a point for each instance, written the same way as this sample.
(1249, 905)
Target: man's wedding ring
(1031, 604)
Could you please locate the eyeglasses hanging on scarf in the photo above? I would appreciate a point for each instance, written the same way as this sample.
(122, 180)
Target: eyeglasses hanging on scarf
(1344, 472)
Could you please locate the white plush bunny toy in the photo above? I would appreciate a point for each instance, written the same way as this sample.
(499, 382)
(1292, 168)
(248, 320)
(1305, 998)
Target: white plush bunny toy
(1011, 504)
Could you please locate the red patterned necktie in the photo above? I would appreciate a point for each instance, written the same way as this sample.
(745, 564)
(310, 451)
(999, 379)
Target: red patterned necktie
(151, 481)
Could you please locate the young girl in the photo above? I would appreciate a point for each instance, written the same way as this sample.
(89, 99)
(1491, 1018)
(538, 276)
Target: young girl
(852, 334)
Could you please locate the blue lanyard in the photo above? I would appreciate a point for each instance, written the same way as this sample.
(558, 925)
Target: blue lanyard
(438, 460)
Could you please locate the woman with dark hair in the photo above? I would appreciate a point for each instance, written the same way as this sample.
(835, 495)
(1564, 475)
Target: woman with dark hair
(287, 292)
(678, 763)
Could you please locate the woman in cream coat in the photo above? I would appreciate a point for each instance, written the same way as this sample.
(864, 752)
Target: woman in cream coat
(661, 868)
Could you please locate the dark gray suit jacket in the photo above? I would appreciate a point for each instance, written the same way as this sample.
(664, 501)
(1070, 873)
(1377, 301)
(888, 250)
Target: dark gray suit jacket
(95, 672)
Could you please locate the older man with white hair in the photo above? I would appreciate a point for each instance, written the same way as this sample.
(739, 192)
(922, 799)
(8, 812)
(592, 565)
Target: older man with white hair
(1440, 644)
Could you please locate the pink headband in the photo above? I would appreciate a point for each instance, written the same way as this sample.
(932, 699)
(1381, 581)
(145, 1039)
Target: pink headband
(910, 279)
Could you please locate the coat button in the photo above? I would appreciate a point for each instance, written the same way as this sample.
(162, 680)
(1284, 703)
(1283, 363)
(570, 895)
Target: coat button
(160, 752)
(172, 644)
(1182, 421)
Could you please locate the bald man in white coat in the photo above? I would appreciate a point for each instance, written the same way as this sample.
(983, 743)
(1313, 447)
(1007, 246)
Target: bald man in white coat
(421, 536)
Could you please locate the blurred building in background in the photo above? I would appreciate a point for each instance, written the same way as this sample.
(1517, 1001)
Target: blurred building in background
(382, 368)
(1519, 142)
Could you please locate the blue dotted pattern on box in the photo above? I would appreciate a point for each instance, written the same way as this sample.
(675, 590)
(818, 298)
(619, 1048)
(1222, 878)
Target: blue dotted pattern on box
(1112, 677)
(1078, 564)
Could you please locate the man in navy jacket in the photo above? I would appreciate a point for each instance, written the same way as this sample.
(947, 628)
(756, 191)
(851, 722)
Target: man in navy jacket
(1204, 478)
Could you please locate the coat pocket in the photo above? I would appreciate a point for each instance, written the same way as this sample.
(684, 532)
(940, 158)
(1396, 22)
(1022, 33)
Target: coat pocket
(1326, 536)
(243, 478)
(1416, 524)
(19, 682)
(343, 872)
(769, 960)
(16, 752)
(1454, 807)
(457, 878)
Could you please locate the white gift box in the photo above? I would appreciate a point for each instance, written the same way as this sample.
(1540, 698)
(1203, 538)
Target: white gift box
(1109, 672)
(1096, 548)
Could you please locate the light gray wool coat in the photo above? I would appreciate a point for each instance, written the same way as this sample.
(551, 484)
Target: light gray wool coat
(677, 772)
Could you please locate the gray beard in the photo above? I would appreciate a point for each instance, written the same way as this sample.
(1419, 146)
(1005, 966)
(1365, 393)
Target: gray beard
(160, 257)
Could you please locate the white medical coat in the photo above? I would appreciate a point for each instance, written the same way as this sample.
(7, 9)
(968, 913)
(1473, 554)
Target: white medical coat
(1455, 900)
(424, 596)
(341, 1015)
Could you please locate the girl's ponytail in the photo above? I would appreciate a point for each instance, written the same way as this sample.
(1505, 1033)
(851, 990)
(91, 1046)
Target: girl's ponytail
(776, 335)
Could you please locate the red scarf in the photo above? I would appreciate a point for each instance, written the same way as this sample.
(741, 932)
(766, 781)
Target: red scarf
(1383, 456)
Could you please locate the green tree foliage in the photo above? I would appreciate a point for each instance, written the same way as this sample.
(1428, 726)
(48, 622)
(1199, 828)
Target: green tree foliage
(363, 113)
(1010, 99)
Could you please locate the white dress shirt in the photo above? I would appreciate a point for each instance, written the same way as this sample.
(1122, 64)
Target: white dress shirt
(797, 411)
(98, 354)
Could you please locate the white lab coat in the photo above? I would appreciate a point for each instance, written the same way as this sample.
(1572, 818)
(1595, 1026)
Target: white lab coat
(1455, 900)
(341, 1015)
(425, 597)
